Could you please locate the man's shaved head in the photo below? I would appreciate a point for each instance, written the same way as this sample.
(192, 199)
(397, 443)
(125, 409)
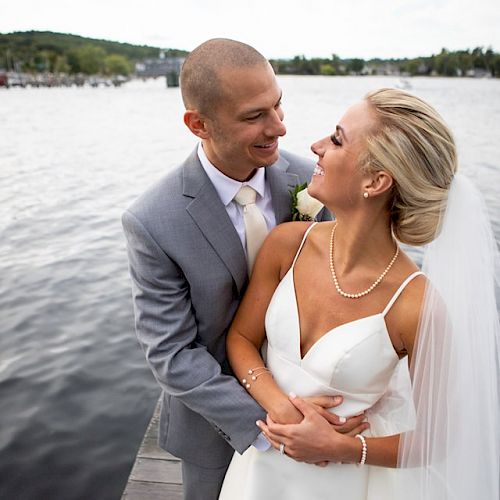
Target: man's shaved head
(200, 82)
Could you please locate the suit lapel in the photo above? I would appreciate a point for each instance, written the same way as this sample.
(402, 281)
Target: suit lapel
(281, 183)
(211, 217)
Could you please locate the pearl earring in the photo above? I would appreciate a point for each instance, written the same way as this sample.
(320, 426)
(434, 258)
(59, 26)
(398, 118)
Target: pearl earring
(365, 194)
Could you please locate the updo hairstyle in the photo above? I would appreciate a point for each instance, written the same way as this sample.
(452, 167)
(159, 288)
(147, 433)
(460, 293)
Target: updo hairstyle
(411, 143)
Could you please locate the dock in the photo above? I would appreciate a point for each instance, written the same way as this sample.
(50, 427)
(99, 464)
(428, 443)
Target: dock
(156, 474)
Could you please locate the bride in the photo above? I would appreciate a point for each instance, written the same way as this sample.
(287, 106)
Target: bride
(343, 308)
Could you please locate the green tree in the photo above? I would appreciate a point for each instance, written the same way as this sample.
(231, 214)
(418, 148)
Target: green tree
(73, 61)
(336, 64)
(478, 58)
(495, 65)
(464, 61)
(489, 57)
(446, 63)
(91, 59)
(61, 65)
(116, 64)
(355, 66)
(42, 61)
(412, 66)
(327, 69)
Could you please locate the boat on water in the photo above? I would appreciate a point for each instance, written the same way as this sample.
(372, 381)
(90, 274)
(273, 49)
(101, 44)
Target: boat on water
(404, 84)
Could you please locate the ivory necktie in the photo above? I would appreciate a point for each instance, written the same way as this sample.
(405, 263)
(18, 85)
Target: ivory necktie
(255, 224)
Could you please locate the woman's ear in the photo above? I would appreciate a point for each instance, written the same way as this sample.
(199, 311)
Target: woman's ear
(195, 122)
(378, 183)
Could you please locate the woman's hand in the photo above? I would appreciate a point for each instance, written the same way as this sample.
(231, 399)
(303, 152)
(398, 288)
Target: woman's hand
(350, 426)
(316, 441)
(313, 440)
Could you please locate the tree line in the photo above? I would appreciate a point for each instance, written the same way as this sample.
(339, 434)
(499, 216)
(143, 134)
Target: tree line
(44, 51)
(446, 63)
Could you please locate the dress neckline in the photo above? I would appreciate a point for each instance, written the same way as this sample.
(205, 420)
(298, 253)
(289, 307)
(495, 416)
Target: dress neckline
(289, 274)
(338, 327)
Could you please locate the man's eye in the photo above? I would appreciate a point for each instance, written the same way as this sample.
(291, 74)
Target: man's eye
(254, 117)
(335, 140)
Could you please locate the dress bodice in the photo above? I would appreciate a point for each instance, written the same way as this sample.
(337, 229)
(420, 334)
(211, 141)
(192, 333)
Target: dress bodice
(356, 359)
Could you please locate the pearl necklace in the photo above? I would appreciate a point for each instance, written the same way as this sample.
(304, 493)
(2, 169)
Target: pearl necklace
(368, 290)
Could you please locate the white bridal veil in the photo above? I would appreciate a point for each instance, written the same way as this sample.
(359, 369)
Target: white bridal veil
(453, 452)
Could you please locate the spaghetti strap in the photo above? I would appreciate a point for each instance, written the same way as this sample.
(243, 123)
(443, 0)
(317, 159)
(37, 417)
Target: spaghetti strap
(302, 243)
(399, 291)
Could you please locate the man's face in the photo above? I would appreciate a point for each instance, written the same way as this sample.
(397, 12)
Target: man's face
(245, 127)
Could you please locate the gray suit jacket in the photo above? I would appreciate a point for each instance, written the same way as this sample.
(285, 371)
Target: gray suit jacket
(189, 274)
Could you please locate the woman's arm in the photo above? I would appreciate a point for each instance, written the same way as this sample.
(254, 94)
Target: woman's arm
(247, 332)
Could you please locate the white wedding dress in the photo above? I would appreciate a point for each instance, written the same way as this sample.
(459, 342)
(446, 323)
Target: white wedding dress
(356, 360)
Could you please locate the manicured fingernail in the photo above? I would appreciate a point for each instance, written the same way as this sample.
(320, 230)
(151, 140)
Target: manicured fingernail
(258, 423)
(342, 420)
(292, 395)
(337, 399)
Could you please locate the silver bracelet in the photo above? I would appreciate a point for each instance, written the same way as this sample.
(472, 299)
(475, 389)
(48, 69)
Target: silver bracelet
(364, 449)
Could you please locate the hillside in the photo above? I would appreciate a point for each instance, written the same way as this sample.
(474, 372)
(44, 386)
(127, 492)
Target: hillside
(47, 51)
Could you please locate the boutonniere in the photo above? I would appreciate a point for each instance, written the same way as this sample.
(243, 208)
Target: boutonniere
(304, 206)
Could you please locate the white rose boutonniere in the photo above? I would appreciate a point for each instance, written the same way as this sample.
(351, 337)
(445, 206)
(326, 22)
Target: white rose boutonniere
(304, 206)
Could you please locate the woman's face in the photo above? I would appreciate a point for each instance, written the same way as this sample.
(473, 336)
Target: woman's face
(337, 180)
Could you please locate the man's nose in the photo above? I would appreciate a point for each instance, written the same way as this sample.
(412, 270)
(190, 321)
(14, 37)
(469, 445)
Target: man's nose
(275, 126)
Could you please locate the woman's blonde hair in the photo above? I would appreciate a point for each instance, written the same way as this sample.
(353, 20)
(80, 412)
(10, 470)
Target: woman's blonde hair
(411, 143)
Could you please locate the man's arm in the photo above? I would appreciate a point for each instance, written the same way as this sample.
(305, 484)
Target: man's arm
(167, 330)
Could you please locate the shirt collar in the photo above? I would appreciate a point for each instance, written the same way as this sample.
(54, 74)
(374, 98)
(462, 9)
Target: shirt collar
(226, 187)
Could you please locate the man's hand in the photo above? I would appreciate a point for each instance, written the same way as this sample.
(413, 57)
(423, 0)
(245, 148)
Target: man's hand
(351, 426)
(314, 440)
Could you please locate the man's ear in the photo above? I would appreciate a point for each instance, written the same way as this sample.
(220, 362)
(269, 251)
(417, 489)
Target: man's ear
(196, 123)
(378, 183)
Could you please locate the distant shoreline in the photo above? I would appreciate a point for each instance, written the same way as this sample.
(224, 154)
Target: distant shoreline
(24, 80)
(44, 52)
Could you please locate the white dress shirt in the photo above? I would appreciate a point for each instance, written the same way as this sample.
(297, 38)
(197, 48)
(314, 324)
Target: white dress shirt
(227, 189)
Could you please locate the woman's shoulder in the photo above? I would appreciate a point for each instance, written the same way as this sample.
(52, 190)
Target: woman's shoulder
(407, 309)
(414, 286)
(284, 241)
(289, 235)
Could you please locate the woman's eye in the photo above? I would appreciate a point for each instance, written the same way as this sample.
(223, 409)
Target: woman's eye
(335, 140)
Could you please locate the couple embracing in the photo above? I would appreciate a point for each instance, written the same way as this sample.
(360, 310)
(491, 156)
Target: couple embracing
(302, 369)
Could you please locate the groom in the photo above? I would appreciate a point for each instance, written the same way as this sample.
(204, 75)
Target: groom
(187, 247)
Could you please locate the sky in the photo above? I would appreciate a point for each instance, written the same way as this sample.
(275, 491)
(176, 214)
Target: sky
(277, 28)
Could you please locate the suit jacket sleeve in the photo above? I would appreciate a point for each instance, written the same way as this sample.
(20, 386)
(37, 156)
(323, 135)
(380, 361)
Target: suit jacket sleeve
(166, 329)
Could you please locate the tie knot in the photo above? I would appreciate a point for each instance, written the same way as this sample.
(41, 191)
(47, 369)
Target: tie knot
(245, 196)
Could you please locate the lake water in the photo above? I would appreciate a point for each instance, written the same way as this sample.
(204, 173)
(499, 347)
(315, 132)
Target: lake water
(75, 391)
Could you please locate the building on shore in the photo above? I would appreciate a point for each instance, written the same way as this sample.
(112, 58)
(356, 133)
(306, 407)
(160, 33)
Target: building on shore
(169, 67)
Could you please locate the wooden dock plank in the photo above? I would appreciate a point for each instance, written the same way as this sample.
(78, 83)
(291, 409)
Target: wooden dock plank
(156, 471)
(156, 474)
(153, 491)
